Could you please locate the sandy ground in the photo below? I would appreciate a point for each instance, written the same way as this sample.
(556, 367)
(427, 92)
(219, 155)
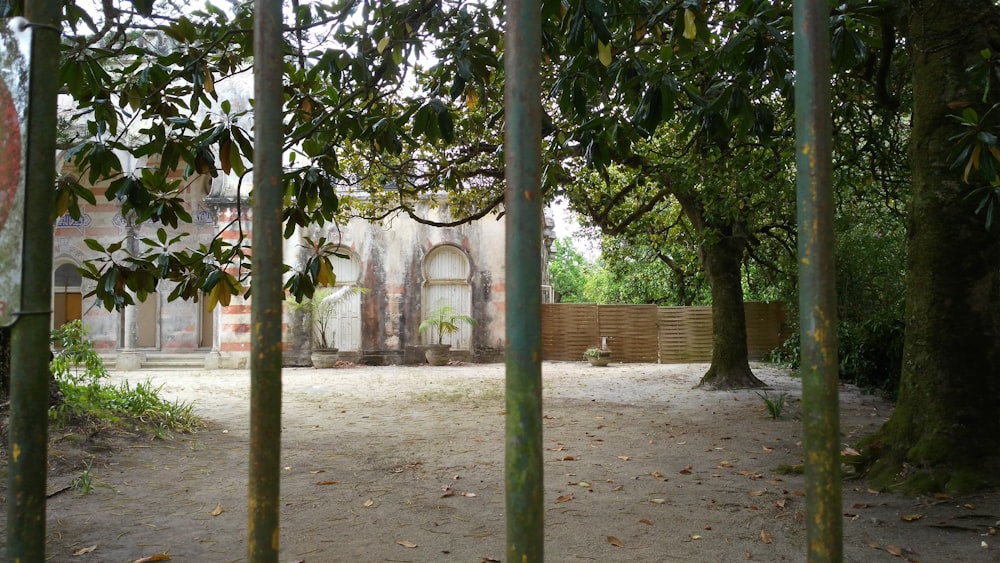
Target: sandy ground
(406, 464)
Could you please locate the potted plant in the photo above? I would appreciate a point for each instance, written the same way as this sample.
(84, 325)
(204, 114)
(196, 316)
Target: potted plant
(441, 321)
(323, 312)
(597, 356)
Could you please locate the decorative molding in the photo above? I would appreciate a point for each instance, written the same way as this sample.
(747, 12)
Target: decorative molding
(67, 221)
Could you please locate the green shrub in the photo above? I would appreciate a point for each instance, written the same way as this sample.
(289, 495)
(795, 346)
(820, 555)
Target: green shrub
(87, 395)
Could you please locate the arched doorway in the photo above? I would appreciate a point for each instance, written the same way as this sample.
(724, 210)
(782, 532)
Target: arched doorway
(446, 283)
(67, 299)
(347, 314)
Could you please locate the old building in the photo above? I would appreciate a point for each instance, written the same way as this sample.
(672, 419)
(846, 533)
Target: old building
(407, 269)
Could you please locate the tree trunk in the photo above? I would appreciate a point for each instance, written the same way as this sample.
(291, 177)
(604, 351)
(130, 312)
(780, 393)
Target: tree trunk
(730, 369)
(943, 433)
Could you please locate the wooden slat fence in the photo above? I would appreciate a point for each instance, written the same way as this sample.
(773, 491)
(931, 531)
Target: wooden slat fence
(647, 333)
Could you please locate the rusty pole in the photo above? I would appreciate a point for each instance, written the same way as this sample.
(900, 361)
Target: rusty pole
(522, 150)
(265, 309)
(30, 371)
(817, 285)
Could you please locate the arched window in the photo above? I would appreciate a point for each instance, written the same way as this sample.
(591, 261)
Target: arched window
(446, 283)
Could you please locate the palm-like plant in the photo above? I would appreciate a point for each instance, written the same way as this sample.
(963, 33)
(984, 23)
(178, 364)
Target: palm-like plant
(444, 320)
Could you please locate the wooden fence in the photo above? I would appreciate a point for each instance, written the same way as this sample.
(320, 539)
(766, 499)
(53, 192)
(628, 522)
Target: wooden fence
(647, 333)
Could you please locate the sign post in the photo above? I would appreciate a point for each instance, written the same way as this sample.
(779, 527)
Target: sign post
(15, 56)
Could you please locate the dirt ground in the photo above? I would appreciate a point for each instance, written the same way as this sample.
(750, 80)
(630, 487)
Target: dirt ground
(406, 464)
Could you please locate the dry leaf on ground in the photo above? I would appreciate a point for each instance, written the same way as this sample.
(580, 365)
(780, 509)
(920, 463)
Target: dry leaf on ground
(406, 543)
(911, 517)
(564, 498)
(217, 510)
(615, 541)
(85, 550)
(765, 537)
(152, 558)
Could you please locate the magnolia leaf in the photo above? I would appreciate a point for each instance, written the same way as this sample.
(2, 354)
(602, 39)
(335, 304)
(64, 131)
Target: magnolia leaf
(217, 510)
(615, 541)
(765, 537)
(564, 498)
(383, 44)
(406, 543)
(370, 503)
(604, 53)
(690, 29)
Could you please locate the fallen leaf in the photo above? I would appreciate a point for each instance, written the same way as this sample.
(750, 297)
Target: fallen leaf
(894, 550)
(623, 457)
(911, 517)
(859, 506)
(695, 537)
(645, 521)
(658, 475)
(765, 537)
(448, 494)
(658, 500)
(849, 451)
(614, 541)
(568, 458)
(406, 543)
(969, 506)
(327, 482)
(85, 550)
(618, 488)
(564, 498)
(685, 471)
(152, 558)
(489, 560)
(767, 449)
(584, 484)
(798, 494)
(368, 503)
(315, 471)
(780, 503)
(724, 464)
(758, 493)
(942, 496)
(870, 542)
(547, 417)
(707, 527)
(217, 510)
(468, 494)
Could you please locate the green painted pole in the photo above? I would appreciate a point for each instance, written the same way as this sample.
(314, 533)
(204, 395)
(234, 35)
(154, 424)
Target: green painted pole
(265, 308)
(817, 285)
(522, 150)
(29, 384)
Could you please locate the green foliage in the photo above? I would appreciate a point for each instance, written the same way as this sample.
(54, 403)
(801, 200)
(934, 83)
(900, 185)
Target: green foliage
(87, 395)
(774, 405)
(444, 320)
(85, 482)
(568, 271)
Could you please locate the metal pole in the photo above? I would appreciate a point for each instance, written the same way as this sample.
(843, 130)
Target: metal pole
(522, 149)
(817, 287)
(265, 309)
(30, 372)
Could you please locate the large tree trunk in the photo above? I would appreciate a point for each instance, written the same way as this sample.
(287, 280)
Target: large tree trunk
(943, 433)
(730, 369)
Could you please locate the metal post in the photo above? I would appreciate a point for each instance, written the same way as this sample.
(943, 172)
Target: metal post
(265, 309)
(30, 372)
(817, 287)
(522, 149)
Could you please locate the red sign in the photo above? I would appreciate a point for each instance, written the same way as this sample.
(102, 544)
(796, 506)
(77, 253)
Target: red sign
(15, 47)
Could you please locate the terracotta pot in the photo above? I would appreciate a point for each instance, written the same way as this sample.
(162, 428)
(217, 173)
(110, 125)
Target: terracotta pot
(324, 358)
(438, 354)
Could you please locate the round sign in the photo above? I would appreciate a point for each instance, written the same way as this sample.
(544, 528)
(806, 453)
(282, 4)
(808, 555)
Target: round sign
(10, 153)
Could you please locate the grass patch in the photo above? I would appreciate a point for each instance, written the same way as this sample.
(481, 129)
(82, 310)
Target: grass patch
(484, 392)
(88, 396)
